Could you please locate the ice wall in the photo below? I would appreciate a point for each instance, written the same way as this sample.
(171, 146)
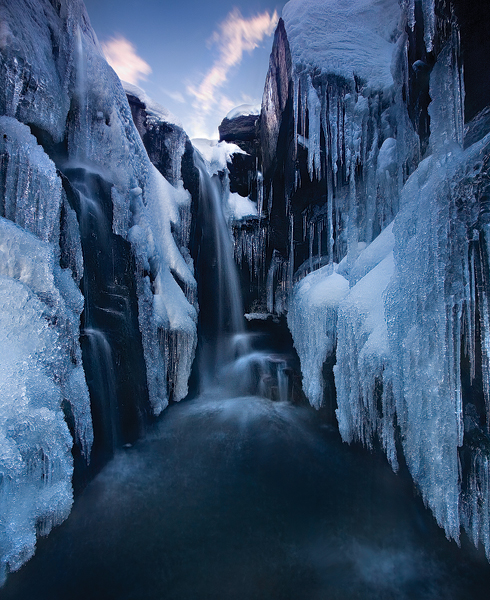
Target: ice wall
(336, 140)
(42, 377)
(93, 240)
(400, 216)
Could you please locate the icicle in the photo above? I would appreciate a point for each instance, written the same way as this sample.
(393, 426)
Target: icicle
(270, 284)
(296, 91)
(260, 193)
(311, 235)
(409, 6)
(312, 320)
(331, 239)
(314, 124)
(291, 257)
(428, 7)
(446, 108)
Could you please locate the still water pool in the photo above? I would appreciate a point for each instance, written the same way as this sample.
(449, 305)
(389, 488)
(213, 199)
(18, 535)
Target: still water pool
(248, 499)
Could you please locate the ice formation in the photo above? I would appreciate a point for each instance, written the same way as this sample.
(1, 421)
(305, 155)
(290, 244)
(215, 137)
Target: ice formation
(75, 177)
(216, 154)
(41, 361)
(410, 240)
(314, 308)
(244, 110)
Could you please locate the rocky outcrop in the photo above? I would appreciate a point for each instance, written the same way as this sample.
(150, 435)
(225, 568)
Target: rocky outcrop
(375, 186)
(94, 257)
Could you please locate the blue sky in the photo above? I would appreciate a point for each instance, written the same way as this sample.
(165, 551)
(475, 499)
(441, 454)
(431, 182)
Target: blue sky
(198, 59)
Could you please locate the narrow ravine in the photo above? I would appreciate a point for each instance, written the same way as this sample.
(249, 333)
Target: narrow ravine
(244, 498)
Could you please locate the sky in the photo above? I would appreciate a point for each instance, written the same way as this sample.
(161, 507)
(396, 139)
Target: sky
(197, 58)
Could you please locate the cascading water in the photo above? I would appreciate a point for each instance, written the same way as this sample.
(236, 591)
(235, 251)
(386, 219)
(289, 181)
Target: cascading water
(102, 383)
(221, 316)
(226, 352)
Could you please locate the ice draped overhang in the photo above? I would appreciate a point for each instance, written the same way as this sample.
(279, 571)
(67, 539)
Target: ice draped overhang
(87, 224)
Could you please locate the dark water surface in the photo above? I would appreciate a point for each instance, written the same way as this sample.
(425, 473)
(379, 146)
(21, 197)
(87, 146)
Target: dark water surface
(247, 499)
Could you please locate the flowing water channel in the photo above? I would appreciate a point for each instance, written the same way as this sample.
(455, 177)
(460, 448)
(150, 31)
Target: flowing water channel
(248, 499)
(241, 494)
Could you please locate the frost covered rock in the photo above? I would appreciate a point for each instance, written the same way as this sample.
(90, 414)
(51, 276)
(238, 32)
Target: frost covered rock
(239, 125)
(312, 320)
(363, 367)
(410, 236)
(81, 205)
(162, 133)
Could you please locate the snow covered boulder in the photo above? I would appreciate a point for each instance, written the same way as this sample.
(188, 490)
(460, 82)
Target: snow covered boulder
(312, 320)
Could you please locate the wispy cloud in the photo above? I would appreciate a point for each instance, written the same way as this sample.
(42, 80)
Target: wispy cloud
(121, 55)
(235, 35)
(176, 96)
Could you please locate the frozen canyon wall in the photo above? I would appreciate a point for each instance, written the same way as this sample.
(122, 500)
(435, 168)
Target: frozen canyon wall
(98, 314)
(372, 232)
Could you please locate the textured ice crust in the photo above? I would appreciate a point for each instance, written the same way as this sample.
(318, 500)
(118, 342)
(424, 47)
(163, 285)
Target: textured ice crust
(415, 286)
(40, 366)
(40, 357)
(55, 79)
(344, 38)
(312, 320)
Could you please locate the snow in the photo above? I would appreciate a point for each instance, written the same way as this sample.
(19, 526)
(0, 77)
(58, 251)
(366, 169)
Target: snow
(312, 320)
(216, 154)
(153, 109)
(373, 254)
(244, 110)
(344, 38)
(241, 207)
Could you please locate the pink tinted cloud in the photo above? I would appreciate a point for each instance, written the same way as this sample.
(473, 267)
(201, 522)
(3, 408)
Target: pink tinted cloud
(121, 55)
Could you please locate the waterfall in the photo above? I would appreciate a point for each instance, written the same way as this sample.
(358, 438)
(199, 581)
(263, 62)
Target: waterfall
(216, 235)
(99, 366)
(221, 309)
(227, 353)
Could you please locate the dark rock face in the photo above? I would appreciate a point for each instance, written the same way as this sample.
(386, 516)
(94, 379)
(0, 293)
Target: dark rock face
(473, 19)
(276, 96)
(239, 130)
(164, 142)
(242, 131)
(264, 177)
